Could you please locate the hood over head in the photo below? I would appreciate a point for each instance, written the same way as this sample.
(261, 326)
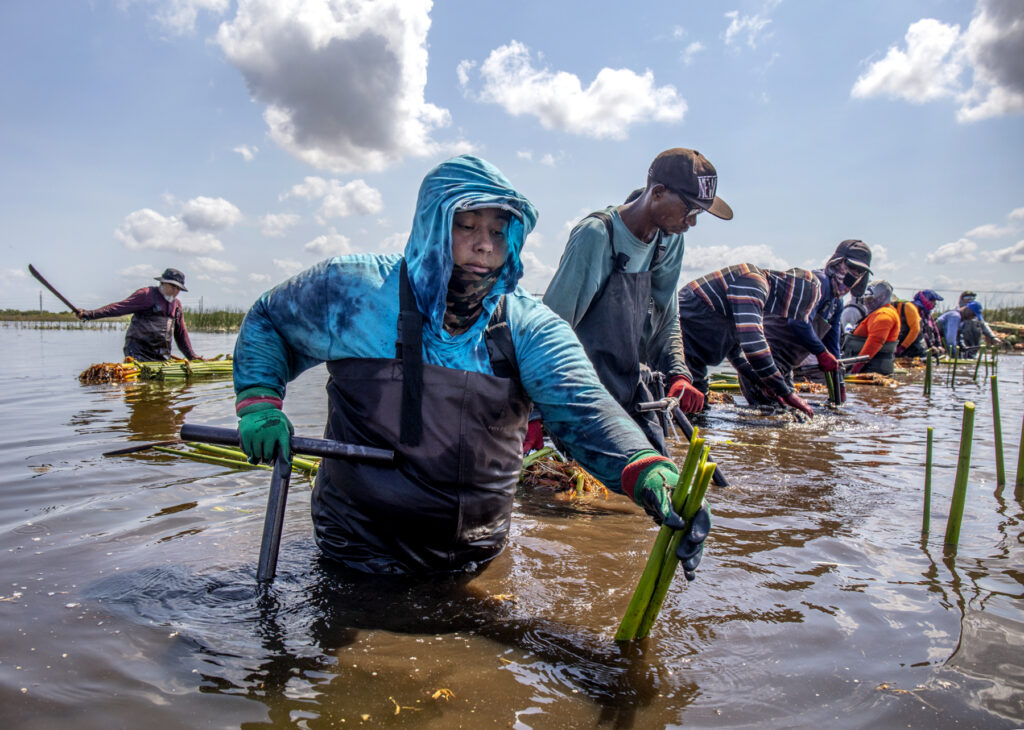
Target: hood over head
(461, 183)
(878, 294)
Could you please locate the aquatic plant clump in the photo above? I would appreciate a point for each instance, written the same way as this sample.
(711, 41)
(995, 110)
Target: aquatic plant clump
(545, 469)
(132, 370)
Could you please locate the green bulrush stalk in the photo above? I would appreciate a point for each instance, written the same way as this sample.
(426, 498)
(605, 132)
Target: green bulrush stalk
(668, 568)
(233, 463)
(1019, 482)
(529, 459)
(997, 428)
(927, 518)
(299, 463)
(645, 586)
(928, 373)
(963, 466)
(952, 373)
(830, 383)
(977, 363)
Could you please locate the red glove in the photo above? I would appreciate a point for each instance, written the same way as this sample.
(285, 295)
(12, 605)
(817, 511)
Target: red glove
(827, 362)
(690, 399)
(534, 437)
(857, 368)
(794, 401)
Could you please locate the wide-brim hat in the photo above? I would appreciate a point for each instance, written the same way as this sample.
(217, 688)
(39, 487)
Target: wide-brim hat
(690, 175)
(172, 276)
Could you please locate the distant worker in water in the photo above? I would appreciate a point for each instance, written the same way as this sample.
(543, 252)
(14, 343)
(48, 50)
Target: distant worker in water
(972, 330)
(438, 354)
(877, 334)
(928, 337)
(722, 315)
(791, 340)
(157, 317)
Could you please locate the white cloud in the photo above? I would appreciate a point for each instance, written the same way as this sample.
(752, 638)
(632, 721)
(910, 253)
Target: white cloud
(691, 51)
(937, 57)
(247, 152)
(259, 278)
(705, 259)
(880, 263)
(179, 16)
(274, 225)
(1011, 255)
(1017, 214)
(289, 266)
(989, 230)
(137, 271)
(11, 276)
(955, 251)
(342, 81)
(214, 266)
(147, 229)
(395, 243)
(750, 27)
(606, 109)
(330, 244)
(524, 155)
(337, 200)
(548, 159)
(211, 214)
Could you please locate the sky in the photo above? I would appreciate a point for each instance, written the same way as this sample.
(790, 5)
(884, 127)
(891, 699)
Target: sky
(242, 141)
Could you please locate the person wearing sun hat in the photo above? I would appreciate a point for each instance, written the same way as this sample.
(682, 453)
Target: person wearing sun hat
(616, 284)
(157, 317)
(792, 340)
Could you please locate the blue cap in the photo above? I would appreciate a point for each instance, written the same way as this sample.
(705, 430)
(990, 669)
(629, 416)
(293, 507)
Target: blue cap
(931, 294)
(975, 307)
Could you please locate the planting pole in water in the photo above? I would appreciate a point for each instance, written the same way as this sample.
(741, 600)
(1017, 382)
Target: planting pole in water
(645, 586)
(963, 466)
(997, 428)
(926, 520)
(1020, 458)
(278, 496)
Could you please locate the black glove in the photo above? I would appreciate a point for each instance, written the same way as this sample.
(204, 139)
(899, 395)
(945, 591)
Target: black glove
(691, 547)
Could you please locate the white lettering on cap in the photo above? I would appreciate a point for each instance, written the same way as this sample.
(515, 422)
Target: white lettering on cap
(706, 185)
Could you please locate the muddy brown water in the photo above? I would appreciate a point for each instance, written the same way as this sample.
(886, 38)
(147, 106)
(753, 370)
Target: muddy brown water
(127, 592)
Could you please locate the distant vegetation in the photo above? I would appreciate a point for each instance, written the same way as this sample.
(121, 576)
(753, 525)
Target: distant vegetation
(1005, 314)
(218, 321)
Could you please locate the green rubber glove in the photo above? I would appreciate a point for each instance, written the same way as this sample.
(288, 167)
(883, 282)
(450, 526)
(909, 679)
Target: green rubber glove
(263, 431)
(650, 478)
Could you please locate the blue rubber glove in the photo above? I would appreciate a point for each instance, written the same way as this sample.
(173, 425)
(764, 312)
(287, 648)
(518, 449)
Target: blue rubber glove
(263, 431)
(691, 547)
(649, 479)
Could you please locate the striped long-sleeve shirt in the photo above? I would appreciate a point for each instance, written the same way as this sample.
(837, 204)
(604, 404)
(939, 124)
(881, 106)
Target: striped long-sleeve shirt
(744, 294)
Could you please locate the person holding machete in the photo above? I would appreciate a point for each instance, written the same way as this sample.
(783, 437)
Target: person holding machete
(157, 317)
(438, 354)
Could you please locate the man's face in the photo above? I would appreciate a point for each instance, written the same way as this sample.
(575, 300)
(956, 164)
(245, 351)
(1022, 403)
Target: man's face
(479, 239)
(671, 213)
(844, 277)
(169, 290)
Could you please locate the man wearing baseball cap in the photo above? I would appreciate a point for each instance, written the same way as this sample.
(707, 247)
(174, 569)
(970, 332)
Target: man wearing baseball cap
(617, 279)
(157, 316)
(791, 339)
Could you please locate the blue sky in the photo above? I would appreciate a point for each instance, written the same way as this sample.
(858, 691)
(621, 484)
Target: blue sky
(243, 140)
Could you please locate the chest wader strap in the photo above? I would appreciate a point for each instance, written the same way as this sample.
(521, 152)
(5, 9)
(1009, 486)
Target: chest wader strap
(500, 347)
(410, 351)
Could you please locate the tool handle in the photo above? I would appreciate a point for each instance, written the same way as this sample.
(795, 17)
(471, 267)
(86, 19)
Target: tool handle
(324, 448)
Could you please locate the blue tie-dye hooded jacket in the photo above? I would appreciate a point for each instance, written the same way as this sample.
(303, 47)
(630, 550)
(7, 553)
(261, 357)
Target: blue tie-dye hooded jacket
(348, 307)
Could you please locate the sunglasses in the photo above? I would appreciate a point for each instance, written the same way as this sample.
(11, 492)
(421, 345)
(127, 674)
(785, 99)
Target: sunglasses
(694, 210)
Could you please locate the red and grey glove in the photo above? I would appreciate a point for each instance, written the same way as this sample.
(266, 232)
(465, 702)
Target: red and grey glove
(648, 479)
(792, 400)
(534, 437)
(690, 399)
(827, 362)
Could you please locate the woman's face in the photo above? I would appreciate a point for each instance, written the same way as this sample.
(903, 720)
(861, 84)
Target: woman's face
(479, 239)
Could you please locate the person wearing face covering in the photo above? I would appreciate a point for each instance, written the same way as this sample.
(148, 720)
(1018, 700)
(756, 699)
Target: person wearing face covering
(928, 338)
(438, 354)
(791, 339)
(877, 334)
(157, 318)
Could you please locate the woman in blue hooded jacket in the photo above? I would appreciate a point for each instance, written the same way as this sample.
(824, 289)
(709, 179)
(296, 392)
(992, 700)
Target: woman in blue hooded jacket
(437, 354)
